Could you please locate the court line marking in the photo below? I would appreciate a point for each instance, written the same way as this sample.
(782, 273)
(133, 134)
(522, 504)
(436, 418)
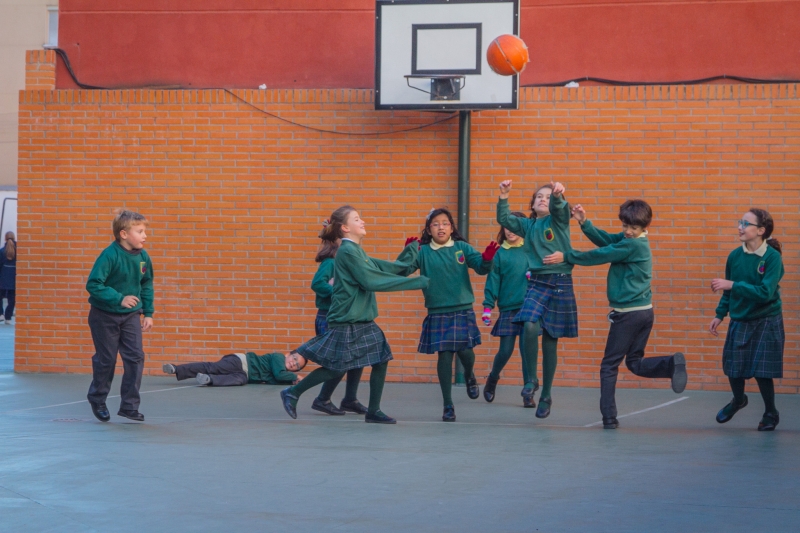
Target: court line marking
(87, 401)
(641, 411)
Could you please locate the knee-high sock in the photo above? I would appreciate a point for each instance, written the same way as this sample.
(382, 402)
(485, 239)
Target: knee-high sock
(444, 368)
(376, 382)
(549, 362)
(467, 358)
(737, 387)
(767, 388)
(328, 387)
(529, 347)
(353, 379)
(503, 355)
(314, 378)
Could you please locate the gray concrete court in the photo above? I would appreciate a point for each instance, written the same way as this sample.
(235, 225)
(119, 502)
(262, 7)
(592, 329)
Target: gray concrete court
(231, 460)
(7, 347)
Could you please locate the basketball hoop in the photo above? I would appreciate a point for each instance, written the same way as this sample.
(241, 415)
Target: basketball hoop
(443, 86)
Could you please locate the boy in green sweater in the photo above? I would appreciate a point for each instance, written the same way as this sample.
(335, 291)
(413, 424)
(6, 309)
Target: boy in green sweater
(238, 369)
(120, 288)
(630, 298)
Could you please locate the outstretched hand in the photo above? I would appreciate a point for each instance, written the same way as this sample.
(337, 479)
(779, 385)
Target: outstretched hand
(410, 240)
(488, 254)
(579, 213)
(557, 188)
(553, 259)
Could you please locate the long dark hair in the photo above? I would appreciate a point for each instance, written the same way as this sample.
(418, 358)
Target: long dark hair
(332, 232)
(426, 237)
(11, 246)
(765, 221)
(327, 249)
(501, 237)
(533, 198)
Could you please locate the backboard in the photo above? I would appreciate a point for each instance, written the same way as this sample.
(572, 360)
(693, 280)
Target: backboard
(431, 54)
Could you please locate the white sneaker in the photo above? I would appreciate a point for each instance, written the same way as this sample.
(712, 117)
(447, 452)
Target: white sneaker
(203, 379)
(168, 368)
(2, 319)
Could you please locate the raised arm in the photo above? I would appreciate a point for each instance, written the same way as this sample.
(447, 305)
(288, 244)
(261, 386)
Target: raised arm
(598, 236)
(370, 277)
(613, 253)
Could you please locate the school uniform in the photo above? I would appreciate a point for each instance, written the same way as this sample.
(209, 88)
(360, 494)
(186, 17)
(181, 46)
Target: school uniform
(755, 340)
(238, 369)
(550, 297)
(8, 283)
(323, 292)
(117, 273)
(506, 286)
(450, 325)
(630, 298)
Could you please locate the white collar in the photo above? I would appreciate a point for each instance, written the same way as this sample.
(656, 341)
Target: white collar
(643, 235)
(760, 251)
(450, 243)
(507, 246)
(347, 239)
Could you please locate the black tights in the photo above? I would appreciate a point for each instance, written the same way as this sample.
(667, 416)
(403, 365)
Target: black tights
(765, 385)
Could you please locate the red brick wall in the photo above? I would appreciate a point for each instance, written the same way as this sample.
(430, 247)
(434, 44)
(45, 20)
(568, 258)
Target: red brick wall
(235, 199)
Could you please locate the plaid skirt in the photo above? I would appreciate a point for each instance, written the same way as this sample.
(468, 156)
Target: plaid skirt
(550, 300)
(344, 348)
(449, 332)
(754, 349)
(321, 322)
(505, 326)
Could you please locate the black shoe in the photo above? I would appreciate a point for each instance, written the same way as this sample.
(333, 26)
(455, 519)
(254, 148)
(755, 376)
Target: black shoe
(727, 412)
(449, 414)
(610, 423)
(527, 396)
(769, 421)
(473, 391)
(286, 399)
(489, 388)
(544, 407)
(326, 407)
(100, 412)
(379, 418)
(132, 415)
(679, 376)
(354, 406)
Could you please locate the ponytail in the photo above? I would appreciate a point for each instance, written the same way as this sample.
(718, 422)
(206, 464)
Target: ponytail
(765, 221)
(332, 232)
(11, 246)
(328, 248)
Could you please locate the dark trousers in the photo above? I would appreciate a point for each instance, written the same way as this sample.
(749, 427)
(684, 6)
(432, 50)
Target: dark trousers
(114, 334)
(11, 296)
(627, 340)
(227, 372)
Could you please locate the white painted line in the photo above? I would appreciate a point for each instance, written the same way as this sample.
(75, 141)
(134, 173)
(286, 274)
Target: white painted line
(87, 401)
(642, 411)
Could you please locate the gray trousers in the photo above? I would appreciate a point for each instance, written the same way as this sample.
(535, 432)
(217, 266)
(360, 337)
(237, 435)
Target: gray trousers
(227, 372)
(112, 334)
(627, 340)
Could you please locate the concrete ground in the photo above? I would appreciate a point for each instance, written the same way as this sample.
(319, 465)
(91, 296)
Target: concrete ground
(231, 460)
(7, 347)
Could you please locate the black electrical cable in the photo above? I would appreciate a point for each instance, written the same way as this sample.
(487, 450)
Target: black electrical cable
(683, 82)
(63, 55)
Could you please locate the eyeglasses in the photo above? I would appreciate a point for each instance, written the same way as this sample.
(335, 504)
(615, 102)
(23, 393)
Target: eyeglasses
(442, 225)
(745, 224)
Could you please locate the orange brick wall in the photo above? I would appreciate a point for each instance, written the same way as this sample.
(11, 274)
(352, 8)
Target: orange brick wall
(40, 70)
(236, 197)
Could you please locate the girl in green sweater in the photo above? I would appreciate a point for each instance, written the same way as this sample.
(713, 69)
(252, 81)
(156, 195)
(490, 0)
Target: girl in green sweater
(506, 286)
(322, 285)
(450, 327)
(751, 295)
(549, 308)
(353, 340)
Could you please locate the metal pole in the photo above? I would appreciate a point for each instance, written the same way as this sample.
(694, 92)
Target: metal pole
(464, 127)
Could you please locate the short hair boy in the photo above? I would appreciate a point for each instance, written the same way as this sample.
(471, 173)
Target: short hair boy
(237, 369)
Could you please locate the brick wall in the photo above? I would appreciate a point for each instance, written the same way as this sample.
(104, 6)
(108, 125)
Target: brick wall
(235, 199)
(40, 70)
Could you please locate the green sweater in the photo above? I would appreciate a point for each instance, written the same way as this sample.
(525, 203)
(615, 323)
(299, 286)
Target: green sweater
(755, 293)
(356, 279)
(543, 235)
(449, 267)
(320, 284)
(118, 273)
(631, 270)
(506, 283)
(269, 368)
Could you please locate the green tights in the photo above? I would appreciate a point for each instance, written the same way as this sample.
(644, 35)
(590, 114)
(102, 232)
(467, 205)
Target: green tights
(321, 375)
(444, 368)
(528, 344)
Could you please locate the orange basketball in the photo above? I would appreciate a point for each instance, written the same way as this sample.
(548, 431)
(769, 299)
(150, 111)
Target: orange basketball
(507, 55)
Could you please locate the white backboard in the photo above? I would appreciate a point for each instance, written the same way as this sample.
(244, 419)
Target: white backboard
(419, 39)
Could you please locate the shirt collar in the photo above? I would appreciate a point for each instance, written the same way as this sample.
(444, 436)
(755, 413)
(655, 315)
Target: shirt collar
(448, 244)
(643, 235)
(760, 251)
(507, 245)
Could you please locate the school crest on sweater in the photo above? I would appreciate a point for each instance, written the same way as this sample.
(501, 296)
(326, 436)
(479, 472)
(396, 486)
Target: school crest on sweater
(549, 235)
(460, 257)
(762, 267)
(143, 267)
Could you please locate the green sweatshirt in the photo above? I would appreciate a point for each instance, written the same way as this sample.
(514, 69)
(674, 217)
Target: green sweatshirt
(357, 277)
(755, 293)
(543, 235)
(449, 267)
(269, 368)
(506, 283)
(320, 284)
(118, 273)
(631, 268)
